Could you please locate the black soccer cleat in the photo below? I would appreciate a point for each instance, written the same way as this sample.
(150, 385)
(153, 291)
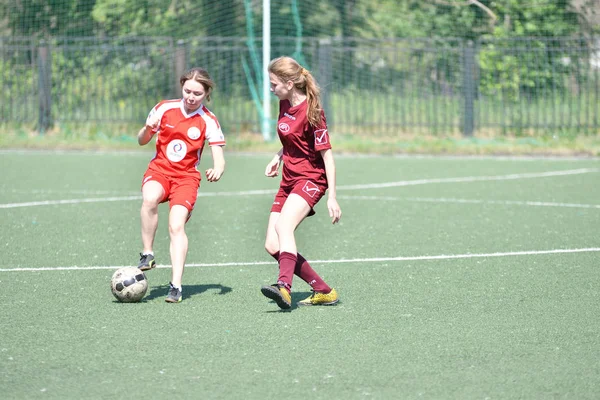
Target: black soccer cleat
(146, 262)
(174, 295)
(279, 294)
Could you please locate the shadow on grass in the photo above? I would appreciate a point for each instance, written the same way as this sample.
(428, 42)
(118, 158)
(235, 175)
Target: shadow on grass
(296, 297)
(188, 290)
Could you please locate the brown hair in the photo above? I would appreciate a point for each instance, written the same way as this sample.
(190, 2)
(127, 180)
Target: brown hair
(201, 76)
(288, 69)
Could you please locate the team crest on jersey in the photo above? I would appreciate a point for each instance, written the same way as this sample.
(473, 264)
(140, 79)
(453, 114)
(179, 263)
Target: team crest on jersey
(310, 189)
(193, 133)
(176, 150)
(321, 136)
(284, 128)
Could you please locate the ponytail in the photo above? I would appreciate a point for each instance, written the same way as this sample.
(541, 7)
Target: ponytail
(288, 69)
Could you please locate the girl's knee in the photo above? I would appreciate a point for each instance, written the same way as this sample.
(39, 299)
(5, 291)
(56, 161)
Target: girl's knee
(150, 203)
(271, 248)
(176, 228)
(282, 228)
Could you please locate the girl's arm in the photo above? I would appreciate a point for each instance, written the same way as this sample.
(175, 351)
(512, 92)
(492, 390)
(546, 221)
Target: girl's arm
(335, 211)
(146, 133)
(272, 169)
(214, 174)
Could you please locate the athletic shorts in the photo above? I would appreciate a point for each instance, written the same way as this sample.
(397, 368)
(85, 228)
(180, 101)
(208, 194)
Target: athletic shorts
(178, 191)
(308, 190)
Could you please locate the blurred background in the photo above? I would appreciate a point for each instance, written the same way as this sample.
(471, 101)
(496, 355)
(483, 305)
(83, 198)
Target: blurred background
(386, 67)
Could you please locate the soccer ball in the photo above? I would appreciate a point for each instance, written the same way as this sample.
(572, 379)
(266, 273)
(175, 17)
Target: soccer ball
(129, 284)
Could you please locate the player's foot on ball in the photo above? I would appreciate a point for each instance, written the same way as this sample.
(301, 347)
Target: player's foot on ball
(174, 295)
(320, 299)
(278, 294)
(146, 262)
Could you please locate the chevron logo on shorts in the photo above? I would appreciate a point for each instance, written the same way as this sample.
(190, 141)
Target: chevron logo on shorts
(310, 189)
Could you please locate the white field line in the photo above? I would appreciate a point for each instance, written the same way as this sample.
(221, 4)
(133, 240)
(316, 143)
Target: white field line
(128, 198)
(470, 201)
(472, 179)
(338, 261)
(73, 191)
(342, 187)
(71, 201)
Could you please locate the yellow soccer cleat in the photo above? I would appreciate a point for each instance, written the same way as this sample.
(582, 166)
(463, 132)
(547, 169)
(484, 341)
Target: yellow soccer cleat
(320, 299)
(279, 294)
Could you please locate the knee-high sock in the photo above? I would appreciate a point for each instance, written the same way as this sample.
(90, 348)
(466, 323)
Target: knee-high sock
(310, 276)
(307, 274)
(287, 264)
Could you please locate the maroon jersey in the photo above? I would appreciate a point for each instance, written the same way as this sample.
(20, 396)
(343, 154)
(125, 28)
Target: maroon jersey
(302, 144)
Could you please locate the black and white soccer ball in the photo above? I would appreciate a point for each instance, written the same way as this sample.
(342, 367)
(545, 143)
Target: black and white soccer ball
(129, 284)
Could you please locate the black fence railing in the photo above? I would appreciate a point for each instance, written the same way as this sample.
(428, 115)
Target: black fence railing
(533, 85)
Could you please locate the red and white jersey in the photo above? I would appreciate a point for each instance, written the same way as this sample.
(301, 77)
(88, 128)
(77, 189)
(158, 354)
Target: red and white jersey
(302, 144)
(181, 136)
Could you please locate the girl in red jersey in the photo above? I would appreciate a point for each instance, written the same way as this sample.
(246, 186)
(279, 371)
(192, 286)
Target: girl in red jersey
(182, 126)
(308, 171)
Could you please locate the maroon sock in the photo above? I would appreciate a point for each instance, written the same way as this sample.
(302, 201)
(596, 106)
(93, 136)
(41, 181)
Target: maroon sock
(305, 271)
(287, 263)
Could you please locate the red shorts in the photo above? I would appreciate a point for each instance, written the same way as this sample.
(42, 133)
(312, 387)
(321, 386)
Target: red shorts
(308, 190)
(181, 191)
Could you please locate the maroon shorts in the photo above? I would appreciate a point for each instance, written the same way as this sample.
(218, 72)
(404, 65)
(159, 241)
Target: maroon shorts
(311, 192)
(181, 191)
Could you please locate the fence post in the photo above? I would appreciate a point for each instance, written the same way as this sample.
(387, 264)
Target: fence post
(469, 88)
(179, 67)
(324, 57)
(44, 88)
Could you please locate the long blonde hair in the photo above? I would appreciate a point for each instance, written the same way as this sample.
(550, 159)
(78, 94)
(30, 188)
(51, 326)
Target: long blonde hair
(201, 76)
(288, 69)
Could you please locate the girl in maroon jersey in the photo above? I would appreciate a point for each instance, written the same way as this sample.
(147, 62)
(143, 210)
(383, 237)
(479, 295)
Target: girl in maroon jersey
(182, 127)
(308, 171)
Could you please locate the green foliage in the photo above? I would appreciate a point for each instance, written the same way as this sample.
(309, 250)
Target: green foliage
(43, 18)
(510, 69)
(148, 18)
(319, 18)
(543, 18)
(17, 84)
(419, 19)
(383, 49)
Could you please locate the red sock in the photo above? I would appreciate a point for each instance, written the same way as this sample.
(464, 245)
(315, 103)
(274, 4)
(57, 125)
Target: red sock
(287, 263)
(305, 271)
(309, 275)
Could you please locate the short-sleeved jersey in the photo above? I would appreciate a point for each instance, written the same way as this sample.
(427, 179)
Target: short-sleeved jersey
(302, 144)
(181, 137)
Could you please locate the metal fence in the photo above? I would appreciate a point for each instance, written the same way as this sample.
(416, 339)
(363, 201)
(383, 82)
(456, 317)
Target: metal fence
(370, 87)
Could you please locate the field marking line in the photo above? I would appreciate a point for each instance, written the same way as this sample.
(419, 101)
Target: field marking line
(339, 261)
(73, 191)
(71, 201)
(471, 201)
(471, 179)
(341, 187)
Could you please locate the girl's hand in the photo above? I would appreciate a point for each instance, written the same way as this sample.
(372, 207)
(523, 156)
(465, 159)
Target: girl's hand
(153, 121)
(213, 174)
(335, 212)
(272, 169)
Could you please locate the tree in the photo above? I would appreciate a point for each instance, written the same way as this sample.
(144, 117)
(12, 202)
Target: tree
(176, 18)
(46, 18)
